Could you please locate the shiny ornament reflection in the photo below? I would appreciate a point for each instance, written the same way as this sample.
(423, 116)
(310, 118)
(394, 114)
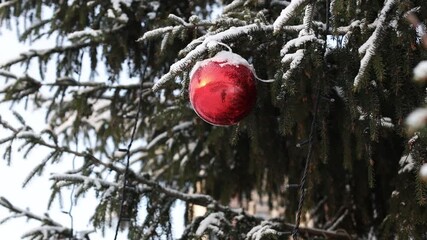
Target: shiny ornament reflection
(222, 91)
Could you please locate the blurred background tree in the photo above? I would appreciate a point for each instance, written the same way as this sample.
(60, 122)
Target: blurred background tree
(333, 116)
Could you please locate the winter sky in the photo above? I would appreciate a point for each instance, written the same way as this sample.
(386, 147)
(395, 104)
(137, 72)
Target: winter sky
(35, 195)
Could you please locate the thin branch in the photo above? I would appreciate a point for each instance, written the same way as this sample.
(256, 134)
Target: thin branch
(338, 221)
(80, 178)
(7, 4)
(369, 48)
(320, 232)
(32, 53)
(288, 13)
(45, 219)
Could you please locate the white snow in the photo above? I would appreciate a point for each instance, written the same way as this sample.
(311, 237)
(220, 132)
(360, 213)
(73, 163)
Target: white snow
(394, 193)
(287, 13)
(259, 231)
(116, 4)
(366, 45)
(98, 183)
(7, 3)
(87, 32)
(413, 139)
(340, 91)
(420, 71)
(197, 52)
(45, 231)
(417, 119)
(387, 122)
(233, 5)
(178, 127)
(421, 30)
(373, 42)
(407, 163)
(212, 220)
(295, 60)
(423, 170)
(224, 58)
(66, 124)
(27, 134)
(298, 42)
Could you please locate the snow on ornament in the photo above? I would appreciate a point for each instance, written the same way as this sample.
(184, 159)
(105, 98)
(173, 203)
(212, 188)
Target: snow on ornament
(222, 89)
(423, 172)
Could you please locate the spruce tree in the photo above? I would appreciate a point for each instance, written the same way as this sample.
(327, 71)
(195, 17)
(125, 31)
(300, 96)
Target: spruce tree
(326, 146)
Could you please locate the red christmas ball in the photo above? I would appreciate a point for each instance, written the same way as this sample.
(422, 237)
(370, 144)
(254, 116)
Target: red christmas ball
(222, 89)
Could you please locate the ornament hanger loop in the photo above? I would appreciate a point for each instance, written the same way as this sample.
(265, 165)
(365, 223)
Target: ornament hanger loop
(225, 45)
(213, 44)
(263, 80)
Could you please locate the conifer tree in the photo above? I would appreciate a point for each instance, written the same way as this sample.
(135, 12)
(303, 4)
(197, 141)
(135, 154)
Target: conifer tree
(326, 146)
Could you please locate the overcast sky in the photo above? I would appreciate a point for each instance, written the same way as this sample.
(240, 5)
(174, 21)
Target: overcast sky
(36, 194)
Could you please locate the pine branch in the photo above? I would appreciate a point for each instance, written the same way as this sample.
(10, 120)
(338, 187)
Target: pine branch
(7, 4)
(202, 48)
(233, 5)
(80, 178)
(44, 219)
(338, 221)
(320, 232)
(373, 41)
(26, 56)
(48, 228)
(291, 10)
(280, 229)
(280, 3)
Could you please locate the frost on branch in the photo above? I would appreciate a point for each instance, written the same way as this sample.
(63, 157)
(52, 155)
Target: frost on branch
(370, 47)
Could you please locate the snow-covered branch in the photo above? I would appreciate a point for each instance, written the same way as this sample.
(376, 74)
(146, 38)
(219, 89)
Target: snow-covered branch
(44, 219)
(287, 13)
(233, 5)
(369, 48)
(49, 228)
(280, 3)
(199, 199)
(47, 231)
(266, 228)
(212, 223)
(86, 180)
(165, 134)
(298, 42)
(25, 56)
(294, 60)
(7, 4)
(158, 32)
(308, 19)
(202, 48)
(281, 230)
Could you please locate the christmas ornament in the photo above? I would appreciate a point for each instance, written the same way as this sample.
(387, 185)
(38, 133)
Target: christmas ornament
(222, 89)
(423, 172)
